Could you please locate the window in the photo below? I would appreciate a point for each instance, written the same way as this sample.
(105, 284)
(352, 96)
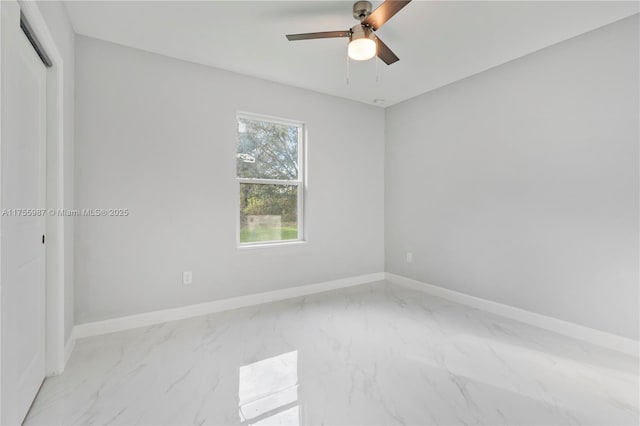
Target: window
(270, 180)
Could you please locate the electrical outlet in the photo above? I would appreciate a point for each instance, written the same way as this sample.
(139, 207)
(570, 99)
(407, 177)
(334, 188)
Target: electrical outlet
(187, 277)
(409, 257)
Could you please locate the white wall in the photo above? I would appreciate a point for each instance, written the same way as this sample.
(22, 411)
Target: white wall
(157, 135)
(520, 184)
(58, 23)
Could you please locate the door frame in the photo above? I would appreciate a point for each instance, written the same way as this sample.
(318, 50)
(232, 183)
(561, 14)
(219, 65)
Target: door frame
(55, 273)
(55, 190)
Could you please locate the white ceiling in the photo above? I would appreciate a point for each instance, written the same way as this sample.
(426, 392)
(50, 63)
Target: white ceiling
(438, 42)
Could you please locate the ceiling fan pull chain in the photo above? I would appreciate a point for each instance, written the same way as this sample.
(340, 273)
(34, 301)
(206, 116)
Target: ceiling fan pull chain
(347, 69)
(375, 59)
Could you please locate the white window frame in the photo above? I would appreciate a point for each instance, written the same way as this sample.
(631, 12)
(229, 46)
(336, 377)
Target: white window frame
(299, 182)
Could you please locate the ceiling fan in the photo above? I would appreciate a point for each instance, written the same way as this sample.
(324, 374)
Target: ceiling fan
(363, 43)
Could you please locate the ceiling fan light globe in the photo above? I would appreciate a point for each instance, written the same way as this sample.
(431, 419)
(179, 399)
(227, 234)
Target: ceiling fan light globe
(362, 49)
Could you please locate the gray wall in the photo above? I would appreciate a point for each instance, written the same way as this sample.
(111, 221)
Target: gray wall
(157, 136)
(520, 184)
(58, 23)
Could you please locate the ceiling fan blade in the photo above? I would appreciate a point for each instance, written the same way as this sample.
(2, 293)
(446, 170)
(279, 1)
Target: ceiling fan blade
(384, 53)
(325, 34)
(384, 12)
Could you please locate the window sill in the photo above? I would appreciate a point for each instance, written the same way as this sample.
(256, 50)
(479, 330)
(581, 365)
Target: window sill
(242, 247)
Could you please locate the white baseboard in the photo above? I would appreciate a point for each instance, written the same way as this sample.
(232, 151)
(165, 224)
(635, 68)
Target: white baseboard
(590, 335)
(157, 317)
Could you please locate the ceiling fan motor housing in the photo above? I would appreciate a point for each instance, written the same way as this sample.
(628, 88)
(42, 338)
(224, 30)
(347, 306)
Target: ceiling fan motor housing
(361, 31)
(361, 9)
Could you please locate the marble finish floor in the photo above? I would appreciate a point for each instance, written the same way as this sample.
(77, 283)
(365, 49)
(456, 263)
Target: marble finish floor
(375, 354)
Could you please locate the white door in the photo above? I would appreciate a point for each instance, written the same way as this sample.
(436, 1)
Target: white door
(22, 186)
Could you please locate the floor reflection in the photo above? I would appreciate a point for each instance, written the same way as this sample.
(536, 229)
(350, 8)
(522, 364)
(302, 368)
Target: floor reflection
(268, 391)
